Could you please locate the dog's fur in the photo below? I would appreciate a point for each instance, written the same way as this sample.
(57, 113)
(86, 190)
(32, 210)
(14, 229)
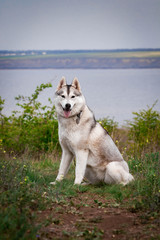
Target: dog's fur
(97, 157)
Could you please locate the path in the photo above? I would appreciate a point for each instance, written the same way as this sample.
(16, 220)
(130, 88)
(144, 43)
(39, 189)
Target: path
(90, 217)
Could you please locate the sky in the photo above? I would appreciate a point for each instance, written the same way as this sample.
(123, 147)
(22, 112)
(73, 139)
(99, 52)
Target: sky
(79, 24)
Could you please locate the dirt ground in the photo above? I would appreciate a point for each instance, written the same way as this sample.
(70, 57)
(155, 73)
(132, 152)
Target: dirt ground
(92, 217)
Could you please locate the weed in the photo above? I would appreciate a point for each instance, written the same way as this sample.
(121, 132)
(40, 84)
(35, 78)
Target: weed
(145, 132)
(93, 234)
(23, 191)
(147, 184)
(86, 233)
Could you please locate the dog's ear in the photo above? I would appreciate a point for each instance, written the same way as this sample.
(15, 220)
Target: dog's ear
(76, 84)
(61, 84)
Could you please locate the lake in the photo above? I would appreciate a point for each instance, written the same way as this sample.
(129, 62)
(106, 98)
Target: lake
(114, 93)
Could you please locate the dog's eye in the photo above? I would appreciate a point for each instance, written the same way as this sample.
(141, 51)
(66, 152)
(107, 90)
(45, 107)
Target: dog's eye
(73, 97)
(62, 96)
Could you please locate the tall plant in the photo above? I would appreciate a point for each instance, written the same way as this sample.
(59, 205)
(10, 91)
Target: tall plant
(145, 131)
(34, 128)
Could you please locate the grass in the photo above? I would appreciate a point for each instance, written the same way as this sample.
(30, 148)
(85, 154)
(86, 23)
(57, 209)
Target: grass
(25, 190)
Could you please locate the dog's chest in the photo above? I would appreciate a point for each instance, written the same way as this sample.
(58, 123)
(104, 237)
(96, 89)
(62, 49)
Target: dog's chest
(72, 136)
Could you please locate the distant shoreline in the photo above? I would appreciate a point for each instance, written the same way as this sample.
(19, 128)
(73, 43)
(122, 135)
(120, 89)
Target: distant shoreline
(80, 59)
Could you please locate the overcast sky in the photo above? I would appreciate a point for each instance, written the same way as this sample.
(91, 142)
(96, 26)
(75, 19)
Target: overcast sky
(79, 24)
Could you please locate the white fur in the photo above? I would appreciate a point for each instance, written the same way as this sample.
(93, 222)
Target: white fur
(97, 157)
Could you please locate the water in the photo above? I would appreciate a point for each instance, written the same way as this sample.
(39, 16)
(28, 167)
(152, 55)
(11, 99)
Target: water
(113, 93)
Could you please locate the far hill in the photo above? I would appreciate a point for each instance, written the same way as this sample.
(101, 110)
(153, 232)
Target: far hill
(85, 59)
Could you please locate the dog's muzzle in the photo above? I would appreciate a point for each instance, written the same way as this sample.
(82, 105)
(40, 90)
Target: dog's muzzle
(67, 110)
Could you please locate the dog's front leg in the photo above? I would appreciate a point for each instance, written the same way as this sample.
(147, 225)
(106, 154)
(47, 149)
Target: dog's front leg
(66, 160)
(81, 162)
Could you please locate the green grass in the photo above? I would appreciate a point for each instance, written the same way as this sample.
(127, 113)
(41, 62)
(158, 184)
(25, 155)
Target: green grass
(25, 189)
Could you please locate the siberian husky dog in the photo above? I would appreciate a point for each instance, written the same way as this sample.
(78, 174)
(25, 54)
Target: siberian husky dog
(81, 137)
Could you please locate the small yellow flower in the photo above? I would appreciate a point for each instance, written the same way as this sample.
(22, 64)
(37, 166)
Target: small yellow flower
(26, 179)
(14, 157)
(4, 151)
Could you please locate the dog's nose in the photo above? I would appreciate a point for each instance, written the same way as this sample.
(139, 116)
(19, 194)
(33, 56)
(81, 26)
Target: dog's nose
(67, 106)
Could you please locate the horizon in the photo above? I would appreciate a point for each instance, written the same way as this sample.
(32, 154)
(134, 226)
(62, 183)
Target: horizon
(114, 49)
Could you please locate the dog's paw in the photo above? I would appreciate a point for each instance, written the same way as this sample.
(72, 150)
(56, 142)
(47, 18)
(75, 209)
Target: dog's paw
(58, 179)
(85, 183)
(53, 183)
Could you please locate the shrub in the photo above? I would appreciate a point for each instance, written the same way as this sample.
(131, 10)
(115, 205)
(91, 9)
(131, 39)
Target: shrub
(144, 131)
(34, 129)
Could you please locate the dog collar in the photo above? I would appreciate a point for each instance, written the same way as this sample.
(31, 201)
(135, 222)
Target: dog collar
(78, 117)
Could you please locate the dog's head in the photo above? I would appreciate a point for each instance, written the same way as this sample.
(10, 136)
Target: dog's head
(69, 100)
